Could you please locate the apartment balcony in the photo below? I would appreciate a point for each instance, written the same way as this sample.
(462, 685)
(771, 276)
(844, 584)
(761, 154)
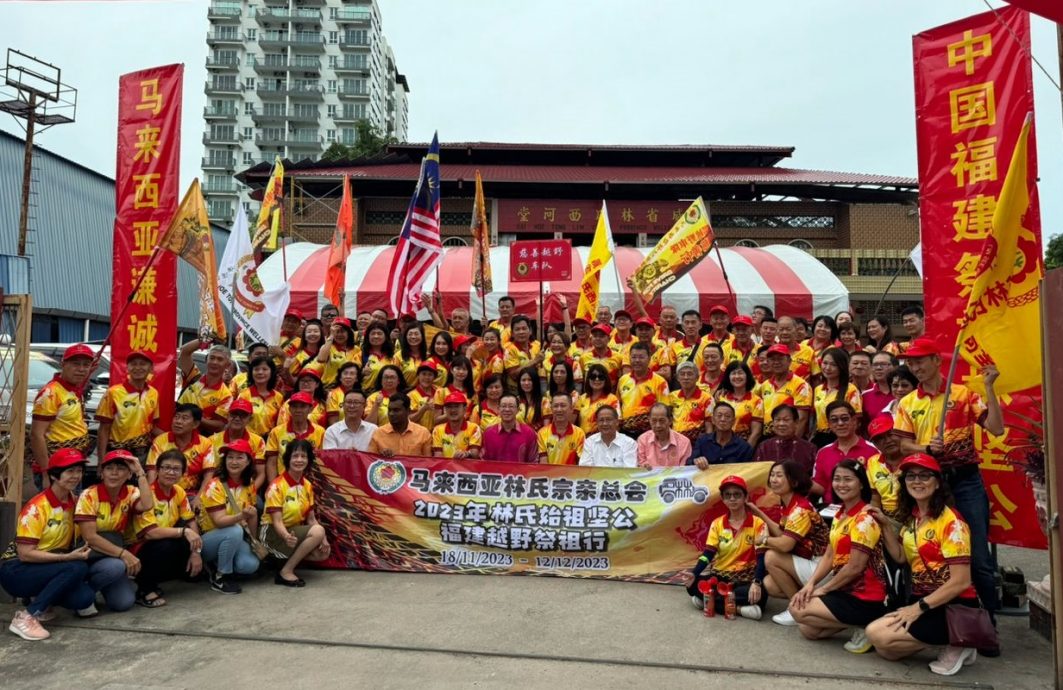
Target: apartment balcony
(277, 40)
(227, 188)
(233, 38)
(353, 45)
(309, 117)
(352, 67)
(224, 88)
(304, 143)
(348, 94)
(225, 138)
(289, 139)
(354, 15)
(224, 12)
(220, 212)
(300, 63)
(261, 117)
(347, 117)
(306, 93)
(266, 15)
(219, 163)
(228, 64)
(228, 113)
(268, 91)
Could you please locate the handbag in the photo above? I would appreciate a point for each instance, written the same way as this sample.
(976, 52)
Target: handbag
(970, 627)
(257, 547)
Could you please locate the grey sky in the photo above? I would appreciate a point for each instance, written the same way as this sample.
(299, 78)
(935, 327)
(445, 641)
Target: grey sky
(831, 77)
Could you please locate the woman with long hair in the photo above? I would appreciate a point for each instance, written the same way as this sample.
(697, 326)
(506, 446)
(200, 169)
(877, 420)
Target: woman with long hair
(228, 510)
(880, 335)
(266, 401)
(412, 351)
(557, 351)
(736, 390)
(492, 360)
(824, 334)
(348, 378)
(377, 352)
(530, 395)
(562, 382)
(293, 532)
(309, 346)
(389, 382)
(337, 350)
(442, 353)
(597, 393)
(835, 386)
(486, 412)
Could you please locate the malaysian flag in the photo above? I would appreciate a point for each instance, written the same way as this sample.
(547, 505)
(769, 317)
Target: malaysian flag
(419, 249)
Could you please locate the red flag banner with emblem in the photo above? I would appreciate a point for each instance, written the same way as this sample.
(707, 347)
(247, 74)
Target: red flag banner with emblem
(342, 239)
(481, 242)
(974, 89)
(146, 189)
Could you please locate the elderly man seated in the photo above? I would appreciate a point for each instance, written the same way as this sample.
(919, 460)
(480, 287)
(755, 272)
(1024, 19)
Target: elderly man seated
(721, 445)
(662, 446)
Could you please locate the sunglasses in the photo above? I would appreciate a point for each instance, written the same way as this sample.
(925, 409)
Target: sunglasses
(840, 420)
(595, 377)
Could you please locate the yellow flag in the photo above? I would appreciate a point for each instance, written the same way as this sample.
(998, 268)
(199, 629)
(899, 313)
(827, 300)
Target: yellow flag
(1002, 323)
(189, 237)
(274, 230)
(601, 254)
(681, 248)
(265, 228)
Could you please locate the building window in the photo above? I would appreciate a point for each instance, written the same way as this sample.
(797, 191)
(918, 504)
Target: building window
(803, 245)
(249, 133)
(249, 158)
(249, 83)
(330, 135)
(333, 36)
(249, 108)
(331, 110)
(333, 13)
(332, 86)
(252, 34)
(333, 60)
(746, 243)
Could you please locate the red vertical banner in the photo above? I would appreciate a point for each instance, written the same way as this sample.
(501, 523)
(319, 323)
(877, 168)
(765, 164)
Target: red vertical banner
(973, 91)
(146, 196)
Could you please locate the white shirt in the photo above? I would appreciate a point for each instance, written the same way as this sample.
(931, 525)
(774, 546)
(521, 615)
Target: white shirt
(339, 437)
(620, 453)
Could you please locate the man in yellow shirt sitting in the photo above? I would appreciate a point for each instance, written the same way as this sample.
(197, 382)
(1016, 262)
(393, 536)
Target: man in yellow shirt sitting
(456, 437)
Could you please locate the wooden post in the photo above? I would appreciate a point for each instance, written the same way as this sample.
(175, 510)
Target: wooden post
(1052, 366)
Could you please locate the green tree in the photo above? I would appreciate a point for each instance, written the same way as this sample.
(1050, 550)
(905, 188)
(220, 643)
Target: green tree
(368, 142)
(1054, 253)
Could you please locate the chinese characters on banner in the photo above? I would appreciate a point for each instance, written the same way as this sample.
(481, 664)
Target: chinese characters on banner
(448, 516)
(581, 216)
(682, 247)
(540, 260)
(146, 189)
(974, 88)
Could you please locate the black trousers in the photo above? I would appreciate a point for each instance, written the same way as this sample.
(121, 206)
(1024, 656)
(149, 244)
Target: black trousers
(161, 560)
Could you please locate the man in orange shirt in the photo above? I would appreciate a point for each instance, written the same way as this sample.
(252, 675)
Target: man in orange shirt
(401, 436)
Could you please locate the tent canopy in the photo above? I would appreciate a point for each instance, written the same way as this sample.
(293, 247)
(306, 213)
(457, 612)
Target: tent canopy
(787, 279)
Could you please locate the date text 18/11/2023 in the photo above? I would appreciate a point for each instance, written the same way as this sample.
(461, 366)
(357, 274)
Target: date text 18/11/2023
(479, 559)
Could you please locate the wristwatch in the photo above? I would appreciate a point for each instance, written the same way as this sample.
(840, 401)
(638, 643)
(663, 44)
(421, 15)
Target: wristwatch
(923, 606)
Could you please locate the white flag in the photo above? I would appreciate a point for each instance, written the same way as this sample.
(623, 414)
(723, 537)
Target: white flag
(916, 258)
(257, 311)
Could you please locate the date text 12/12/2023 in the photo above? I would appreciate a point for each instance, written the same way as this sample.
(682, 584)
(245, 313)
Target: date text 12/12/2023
(479, 559)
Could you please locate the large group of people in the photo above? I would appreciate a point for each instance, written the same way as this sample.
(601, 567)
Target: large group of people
(850, 424)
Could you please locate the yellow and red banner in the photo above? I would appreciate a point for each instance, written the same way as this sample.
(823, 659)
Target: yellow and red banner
(342, 239)
(146, 189)
(268, 226)
(687, 243)
(601, 254)
(480, 517)
(481, 242)
(974, 90)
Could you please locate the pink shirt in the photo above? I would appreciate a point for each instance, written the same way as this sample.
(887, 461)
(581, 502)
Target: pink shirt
(519, 445)
(828, 458)
(875, 402)
(673, 454)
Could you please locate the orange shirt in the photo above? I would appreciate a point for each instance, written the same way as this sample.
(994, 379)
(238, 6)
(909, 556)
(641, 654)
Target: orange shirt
(415, 441)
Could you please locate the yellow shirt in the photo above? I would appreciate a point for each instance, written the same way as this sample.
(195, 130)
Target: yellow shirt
(281, 436)
(504, 331)
(94, 505)
(448, 441)
(735, 552)
(292, 499)
(408, 367)
(919, 414)
(495, 364)
(132, 413)
(931, 545)
(681, 350)
(46, 523)
(551, 358)
(689, 413)
(803, 361)
(748, 409)
(213, 400)
(318, 414)
(334, 403)
(264, 410)
(622, 348)
(637, 396)
(561, 449)
(167, 511)
(371, 370)
(587, 410)
(380, 401)
(611, 360)
(62, 407)
(258, 445)
(484, 416)
(732, 352)
(336, 359)
(238, 384)
(420, 398)
(516, 357)
(216, 502)
(886, 483)
(199, 457)
(822, 397)
(793, 391)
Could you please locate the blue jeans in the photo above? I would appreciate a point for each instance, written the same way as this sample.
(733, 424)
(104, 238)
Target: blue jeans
(225, 548)
(63, 584)
(972, 503)
(108, 576)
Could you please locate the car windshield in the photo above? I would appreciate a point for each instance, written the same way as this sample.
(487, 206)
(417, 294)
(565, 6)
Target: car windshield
(41, 372)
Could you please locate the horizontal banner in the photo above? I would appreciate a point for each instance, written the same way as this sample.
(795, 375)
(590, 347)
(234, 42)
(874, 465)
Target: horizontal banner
(477, 517)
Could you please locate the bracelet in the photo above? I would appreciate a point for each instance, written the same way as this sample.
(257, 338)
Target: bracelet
(923, 605)
(120, 553)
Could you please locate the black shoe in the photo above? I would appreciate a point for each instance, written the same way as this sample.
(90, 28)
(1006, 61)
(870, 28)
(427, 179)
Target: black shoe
(297, 582)
(990, 652)
(219, 583)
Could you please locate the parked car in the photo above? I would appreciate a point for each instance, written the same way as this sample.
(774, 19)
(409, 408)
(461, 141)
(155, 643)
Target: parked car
(98, 383)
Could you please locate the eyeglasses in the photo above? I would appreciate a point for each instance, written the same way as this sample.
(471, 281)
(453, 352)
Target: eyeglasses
(880, 364)
(169, 468)
(732, 495)
(840, 420)
(920, 477)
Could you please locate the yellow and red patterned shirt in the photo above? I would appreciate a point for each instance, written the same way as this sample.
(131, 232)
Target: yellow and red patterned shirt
(733, 352)
(919, 414)
(132, 413)
(494, 364)
(46, 523)
(803, 524)
(516, 357)
(331, 367)
(441, 396)
(931, 545)
(484, 415)
(292, 499)
(821, 397)
(198, 457)
(610, 360)
(637, 396)
(803, 361)
(264, 409)
(690, 412)
(371, 370)
(856, 529)
(212, 399)
(420, 398)
(504, 331)
(561, 448)
(622, 348)
(886, 483)
(681, 352)
(238, 383)
(448, 441)
(281, 436)
(587, 410)
(62, 407)
(258, 445)
(735, 553)
(748, 409)
(95, 505)
(318, 414)
(167, 511)
(216, 502)
(379, 401)
(793, 391)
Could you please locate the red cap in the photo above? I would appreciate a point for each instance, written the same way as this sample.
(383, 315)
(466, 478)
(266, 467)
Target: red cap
(79, 350)
(721, 309)
(921, 460)
(308, 372)
(621, 312)
(429, 365)
(301, 397)
(462, 339)
(742, 320)
(241, 405)
(456, 398)
(120, 455)
(603, 327)
(734, 480)
(579, 319)
(240, 445)
(141, 354)
(65, 457)
(342, 320)
(779, 349)
(293, 312)
(922, 347)
(880, 425)
(645, 321)
(408, 315)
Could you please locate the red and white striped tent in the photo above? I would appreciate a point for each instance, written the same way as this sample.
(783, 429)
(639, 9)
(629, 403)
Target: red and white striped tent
(791, 281)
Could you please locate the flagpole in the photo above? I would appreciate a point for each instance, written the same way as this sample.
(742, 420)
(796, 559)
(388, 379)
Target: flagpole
(616, 263)
(723, 269)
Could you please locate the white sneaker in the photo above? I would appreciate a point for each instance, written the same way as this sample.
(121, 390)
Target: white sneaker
(858, 643)
(752, 612)
(698, 602)
(784, 618)
(88, 612)
(28, 627)
(952, 659)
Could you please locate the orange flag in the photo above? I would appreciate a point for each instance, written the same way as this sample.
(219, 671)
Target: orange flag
(342, 239)
(481, 243)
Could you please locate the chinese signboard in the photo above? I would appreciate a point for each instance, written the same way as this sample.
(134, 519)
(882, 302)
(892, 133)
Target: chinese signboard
(974, 89)
(146, 189)
(447, 516)
(537, 261)
(581, 216)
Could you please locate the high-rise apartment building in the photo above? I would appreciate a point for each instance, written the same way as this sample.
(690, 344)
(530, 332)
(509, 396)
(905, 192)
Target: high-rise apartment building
(289, 78)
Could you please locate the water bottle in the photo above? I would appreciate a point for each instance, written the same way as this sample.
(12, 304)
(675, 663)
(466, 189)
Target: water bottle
(729, 608)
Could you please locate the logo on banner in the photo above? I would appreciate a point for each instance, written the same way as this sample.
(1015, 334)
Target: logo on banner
(674, 489)
(250, 297)
(385, 477)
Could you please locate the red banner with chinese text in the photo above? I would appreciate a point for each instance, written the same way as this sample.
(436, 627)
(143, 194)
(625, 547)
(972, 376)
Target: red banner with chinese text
(146, 191)
(581, 216)
(540, 260)
(974, 89)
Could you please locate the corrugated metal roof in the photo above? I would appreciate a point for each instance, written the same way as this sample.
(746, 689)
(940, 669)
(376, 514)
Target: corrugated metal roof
(71, 235)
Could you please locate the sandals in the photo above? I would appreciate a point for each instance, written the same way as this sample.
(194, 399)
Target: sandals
(155, 602)
(297, 582)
